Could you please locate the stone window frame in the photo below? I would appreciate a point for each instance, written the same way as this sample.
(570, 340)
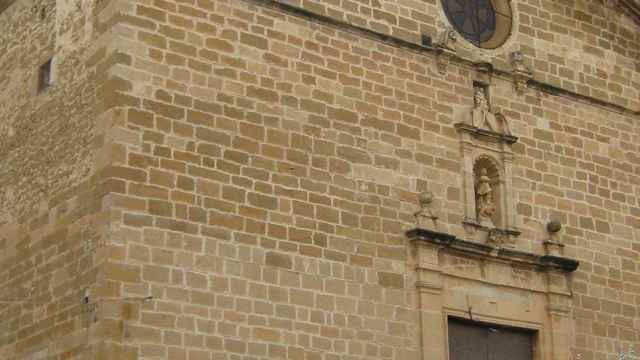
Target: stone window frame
(46, 57)
(45, 75)
(502, 19)
(481, 54)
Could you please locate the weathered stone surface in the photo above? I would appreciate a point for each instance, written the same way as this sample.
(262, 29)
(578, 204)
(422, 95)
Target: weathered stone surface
(278, 260)
(228, 178)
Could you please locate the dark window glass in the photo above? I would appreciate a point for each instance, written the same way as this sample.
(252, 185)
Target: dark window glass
(476, 20)
(44, 76)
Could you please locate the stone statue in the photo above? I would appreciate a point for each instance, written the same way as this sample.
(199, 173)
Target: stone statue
(485, 206)
(482, 117)
(426, 217)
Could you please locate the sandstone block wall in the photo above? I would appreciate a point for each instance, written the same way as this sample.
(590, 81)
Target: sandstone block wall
(52, 188)
(581, 46)
(258, 169)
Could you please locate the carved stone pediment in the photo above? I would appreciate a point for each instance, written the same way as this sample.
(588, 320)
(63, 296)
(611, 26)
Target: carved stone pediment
(486, 134)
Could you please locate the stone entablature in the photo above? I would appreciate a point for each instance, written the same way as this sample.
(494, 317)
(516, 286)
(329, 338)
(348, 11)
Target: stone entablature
(464, 279)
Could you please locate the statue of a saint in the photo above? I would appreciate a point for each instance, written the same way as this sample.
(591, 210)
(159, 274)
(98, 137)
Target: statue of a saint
(482, 117)
(485, 204)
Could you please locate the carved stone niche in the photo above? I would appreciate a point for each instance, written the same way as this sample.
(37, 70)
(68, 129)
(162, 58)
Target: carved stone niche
(486, 145)
(463, 279)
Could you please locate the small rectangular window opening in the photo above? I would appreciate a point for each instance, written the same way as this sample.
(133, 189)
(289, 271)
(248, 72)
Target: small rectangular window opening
(44, 76)
(426, 40)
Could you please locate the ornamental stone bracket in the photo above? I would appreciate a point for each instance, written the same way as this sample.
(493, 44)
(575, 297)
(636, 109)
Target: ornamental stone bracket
(521, 73)
(479, 282)
(487, 157)
(445, 49)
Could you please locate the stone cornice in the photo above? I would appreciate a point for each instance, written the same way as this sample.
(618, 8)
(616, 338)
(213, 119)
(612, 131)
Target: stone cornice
(473, 249)
(503, 138)
(631, 6)
(408, 45)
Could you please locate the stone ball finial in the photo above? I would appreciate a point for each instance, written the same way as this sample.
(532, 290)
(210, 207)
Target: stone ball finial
(425, 198)
(554, 226)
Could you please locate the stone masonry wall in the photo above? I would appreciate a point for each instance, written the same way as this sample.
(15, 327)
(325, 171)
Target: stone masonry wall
(252, 173)
(269, 166)
(582, 46)
(53, 218)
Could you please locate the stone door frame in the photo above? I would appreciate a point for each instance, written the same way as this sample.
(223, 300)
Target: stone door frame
(492, 285)
(497, 321)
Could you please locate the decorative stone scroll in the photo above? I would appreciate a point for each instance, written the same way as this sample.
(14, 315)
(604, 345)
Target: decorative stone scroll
(486, 141)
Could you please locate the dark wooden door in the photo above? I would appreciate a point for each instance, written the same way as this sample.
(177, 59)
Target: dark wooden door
(475, 341)
(467, 341)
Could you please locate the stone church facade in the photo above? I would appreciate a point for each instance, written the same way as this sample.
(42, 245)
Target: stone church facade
(319, 180)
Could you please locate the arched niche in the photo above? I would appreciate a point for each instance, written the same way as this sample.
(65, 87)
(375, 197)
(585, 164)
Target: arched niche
(486, 141)
(488, 190)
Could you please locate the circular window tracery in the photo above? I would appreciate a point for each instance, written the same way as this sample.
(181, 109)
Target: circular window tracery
(484, 23)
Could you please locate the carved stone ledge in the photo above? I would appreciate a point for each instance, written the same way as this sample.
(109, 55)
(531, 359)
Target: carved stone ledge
(429, 287)
(473, 249)
(566, 264)
(512, 232)
(492, 236)
(438, 238)
(484, 67)
(497, 137)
